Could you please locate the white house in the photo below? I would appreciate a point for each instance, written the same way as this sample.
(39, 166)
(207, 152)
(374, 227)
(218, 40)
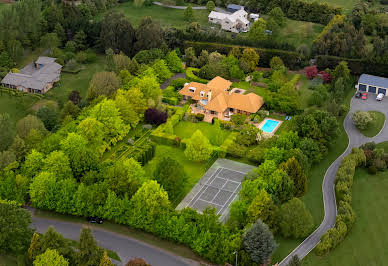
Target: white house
(236, 22)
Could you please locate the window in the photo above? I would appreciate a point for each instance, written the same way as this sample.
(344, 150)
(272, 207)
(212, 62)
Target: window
(191, 89)
(213, 112)
(202, 93)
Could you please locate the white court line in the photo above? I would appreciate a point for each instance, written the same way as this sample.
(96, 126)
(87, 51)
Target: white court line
(234, 170)
(215, 173)
(219, 190)
(211, 203)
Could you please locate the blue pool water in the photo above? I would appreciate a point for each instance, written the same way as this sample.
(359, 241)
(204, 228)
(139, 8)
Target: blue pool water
(269, 125)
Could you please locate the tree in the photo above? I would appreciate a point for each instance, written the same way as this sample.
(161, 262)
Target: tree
(6, 131)
(148, 85)
(294, 170)
(125, 176)
(263, 208)
(89, 253)
(135, 99)
(105, 260)
(259, 242)
(48, 116)
(198, 147)
(250, 57)
(257, 31)
(210, 6)
(162, 70)
(34, 247)
(149, 35)
(189, 13)
(50, 257)
(341, 71)
(52, 240)
(69, 109)
(15, 231)
(6, 158)
(174, 63)
(276, 63)
(238, 119)
(117, 33)
(278, 16)
(91, 129)
(26, 124)
(58, 164)
(171, 175)
(295, 220)
(149, 203)
(80, 40)
(294, 261)
(311, 71)
(137, 262)
(103, 83)
(50, 41)
(155, 117)
(247, 135)
(33, 164)
(75, 97)
(362, 119)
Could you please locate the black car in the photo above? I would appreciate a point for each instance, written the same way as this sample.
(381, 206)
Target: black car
(358, 94)
(95, 220)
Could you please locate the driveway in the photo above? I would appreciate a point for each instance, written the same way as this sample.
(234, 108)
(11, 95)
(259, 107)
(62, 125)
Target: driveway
(126, 247)
(356, 139)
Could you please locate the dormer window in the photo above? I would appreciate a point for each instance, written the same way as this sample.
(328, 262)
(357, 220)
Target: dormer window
(202, 93)
(191, 89)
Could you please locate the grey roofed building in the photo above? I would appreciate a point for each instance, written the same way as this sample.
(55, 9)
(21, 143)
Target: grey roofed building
(36, 77)
(373, 84)
(233, 8)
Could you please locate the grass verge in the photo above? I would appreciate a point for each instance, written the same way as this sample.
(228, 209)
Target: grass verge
(367, 241)
(375, 126)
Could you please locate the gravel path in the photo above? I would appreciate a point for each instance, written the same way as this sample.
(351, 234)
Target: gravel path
(356, 139)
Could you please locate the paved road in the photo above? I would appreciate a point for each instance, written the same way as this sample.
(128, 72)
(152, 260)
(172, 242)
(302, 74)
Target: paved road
(356, 139)
(126, 247)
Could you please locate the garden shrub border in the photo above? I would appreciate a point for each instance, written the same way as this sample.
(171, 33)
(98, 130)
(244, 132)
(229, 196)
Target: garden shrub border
(343, 191)
(191, 75)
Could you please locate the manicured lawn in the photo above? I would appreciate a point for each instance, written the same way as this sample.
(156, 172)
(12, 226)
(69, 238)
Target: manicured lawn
(375, 126)
(79, 81)
(347, 5)
(383, 145)
(16, 106)
(7, 260)
(313, 198)
(167, 17)
(193, 170)
(185, 129)
(367, 243)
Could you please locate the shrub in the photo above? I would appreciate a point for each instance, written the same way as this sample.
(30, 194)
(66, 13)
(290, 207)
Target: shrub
(154, 116)
(311, 71)
(81, 57)
(191, 75)
(199, 116)
(361, 119)
(179, 83)
(237, 150)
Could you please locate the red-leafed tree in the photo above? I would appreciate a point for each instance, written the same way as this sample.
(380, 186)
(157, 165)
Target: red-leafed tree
(155, 117)
(311, 71)
(325, 76)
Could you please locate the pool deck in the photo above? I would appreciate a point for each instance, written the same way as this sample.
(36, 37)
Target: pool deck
(261, 124)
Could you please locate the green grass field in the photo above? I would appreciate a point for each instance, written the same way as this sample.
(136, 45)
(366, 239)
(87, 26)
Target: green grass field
(7, 260)
(367, 243)
(194, 170)
(16, 106)
(383, 145)
(375, 126)
(313, 198)
(185, 129)
(298, 32)
(79, 81)
(167, 17)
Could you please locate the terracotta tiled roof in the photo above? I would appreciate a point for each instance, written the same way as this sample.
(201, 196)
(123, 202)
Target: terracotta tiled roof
(219, 83)
(249, 103)
(196, 95)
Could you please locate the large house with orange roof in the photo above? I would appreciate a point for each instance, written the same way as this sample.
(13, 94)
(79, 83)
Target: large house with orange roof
(215, 99)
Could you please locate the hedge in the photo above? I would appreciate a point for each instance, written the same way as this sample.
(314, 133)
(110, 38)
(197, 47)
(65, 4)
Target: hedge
(144, 153)
(345, 214)
(170, 100)
(291, 59)
(356, 66)
(191, 75)
(335, 20)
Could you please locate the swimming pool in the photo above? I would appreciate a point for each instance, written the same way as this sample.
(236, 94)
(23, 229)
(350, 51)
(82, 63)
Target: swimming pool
(269, 125)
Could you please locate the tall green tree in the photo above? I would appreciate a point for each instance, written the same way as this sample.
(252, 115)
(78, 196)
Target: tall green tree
(188, 13)
(295, 220)
(257, 31)
(57, 163)
(263, 208)
(294, 170)
(171, 175)
(103, 83)
(174, 63)
(149, 35)
(89, 253)
(259, 243)
(26, 124)
(15, 231)
(198, 147)
(48, 116)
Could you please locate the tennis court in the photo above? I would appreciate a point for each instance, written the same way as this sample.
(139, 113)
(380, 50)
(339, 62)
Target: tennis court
(218, 188)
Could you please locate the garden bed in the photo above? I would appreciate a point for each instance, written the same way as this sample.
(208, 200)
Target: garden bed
(375, 126)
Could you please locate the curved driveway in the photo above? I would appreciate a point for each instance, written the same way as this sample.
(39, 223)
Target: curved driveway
(356, 139)
(126, 247)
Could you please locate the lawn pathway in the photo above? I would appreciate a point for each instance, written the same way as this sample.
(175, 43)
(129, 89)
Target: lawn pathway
(356, 139)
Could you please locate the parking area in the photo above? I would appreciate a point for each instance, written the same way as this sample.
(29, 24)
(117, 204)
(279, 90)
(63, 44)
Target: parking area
(218, 187)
